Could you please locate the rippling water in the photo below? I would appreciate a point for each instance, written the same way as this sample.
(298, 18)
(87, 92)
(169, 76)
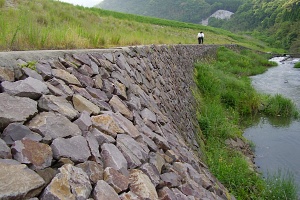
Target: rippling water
(277, 141)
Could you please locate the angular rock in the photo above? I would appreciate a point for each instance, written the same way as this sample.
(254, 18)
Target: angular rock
(98, 81)
(94, 67)
(17, 131)
(53, 125)
(23, 109)
(82, 104)
(107, 124)
(104, 191)
(75, 148)
(57, 104)
(84, 80)
(17, 181)
(81, 91)
(65, 76)
(134, 103)
(93, 170)
(47, 174)
(112, 157)
(146, 140)
(151, 171)
(126, 125)
(84, 122)
(86, 70)
(71, 183)
(179, 194)
(129, 196)
(148, 114)
(62, 86)
(157, 159)
(56, 64)
(166, 194)
(115, 179)
(93, 146)
(141, 185)
(96, 93)
(101, 137)
(44, 69)
(119, 106)
(30, 87)
(37, 154)
(171, 179)
(6, 74)
(55, 91)
(108, 86)
(132, 150)
(83, 58)
(5, 152)
(31, 73)
(120, 90)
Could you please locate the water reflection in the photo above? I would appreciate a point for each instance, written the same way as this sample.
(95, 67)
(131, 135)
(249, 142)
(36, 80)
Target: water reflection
(277, 139)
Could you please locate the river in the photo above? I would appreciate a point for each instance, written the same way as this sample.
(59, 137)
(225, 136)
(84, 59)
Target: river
(277, 140)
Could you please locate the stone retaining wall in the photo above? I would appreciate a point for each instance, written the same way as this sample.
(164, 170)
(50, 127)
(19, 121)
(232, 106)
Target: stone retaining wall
(102, 124)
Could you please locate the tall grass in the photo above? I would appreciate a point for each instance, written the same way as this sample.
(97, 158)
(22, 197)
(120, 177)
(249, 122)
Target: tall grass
(49, 24)
(227, 96)
(2, 2)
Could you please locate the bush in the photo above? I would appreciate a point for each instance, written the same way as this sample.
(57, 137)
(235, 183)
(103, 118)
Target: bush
(297, 65)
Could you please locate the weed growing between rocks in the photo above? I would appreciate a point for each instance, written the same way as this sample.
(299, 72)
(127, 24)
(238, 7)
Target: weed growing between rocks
(227, 96)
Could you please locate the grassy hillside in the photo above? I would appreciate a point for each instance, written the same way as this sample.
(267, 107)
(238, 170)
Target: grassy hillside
(49, 24)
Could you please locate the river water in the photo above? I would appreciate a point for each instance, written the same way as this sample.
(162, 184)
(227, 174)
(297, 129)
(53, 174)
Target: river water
(277, 140)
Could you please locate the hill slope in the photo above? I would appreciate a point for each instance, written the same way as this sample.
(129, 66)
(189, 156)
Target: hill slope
(49, 24)
(277, 22)
(182, 10)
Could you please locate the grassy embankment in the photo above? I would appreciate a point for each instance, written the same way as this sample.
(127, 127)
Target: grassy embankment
(226, 96)
(49, 24)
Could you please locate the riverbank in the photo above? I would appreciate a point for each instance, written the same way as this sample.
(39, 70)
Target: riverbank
(277, 139)
(227, 96)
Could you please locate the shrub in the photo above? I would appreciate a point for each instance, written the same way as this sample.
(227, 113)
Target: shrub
(297, 65)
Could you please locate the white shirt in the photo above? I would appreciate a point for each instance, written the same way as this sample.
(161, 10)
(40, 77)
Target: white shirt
(200, 35)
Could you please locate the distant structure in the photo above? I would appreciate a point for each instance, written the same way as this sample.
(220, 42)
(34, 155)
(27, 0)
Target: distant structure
(219, 14)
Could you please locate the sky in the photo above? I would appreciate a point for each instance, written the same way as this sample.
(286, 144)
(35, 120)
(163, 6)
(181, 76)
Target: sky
(86, 3)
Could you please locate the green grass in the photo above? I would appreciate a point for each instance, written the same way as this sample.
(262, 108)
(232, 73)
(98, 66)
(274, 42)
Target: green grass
(279, 106)
(49, 24)
(226, 98)
(297, 65)
(280, 186)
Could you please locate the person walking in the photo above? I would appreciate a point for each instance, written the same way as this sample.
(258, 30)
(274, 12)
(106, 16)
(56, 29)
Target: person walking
(200, 37)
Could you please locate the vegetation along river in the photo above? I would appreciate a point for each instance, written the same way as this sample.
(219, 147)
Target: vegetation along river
(277, 141)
